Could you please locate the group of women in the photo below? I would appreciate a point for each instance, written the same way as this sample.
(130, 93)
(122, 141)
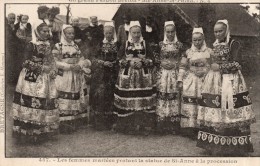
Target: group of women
(195, 92)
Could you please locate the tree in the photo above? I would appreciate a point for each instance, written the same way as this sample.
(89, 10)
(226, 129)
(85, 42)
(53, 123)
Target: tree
(68, 12)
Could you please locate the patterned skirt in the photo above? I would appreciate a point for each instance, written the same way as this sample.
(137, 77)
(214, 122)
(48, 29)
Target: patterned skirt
(225, 127)
(135, 97)
(72, 98)
(189, 103)
(167, 108)
(34, 108)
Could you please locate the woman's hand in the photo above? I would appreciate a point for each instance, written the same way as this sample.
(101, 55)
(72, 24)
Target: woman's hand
(123, 63)
(146, 62)
(108, 64)
(47, 69)
(87, 71)
(75, 68)
(77, 40)
(199, 73)
(53, 74)
(167, 65)
(215, 67)
(137, 65)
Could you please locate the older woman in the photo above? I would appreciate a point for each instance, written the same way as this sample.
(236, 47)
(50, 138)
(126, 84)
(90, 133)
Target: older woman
(167, 109)
(104, 75)
(225, 112)
(135, 91)
(35, 111)
(193, 67)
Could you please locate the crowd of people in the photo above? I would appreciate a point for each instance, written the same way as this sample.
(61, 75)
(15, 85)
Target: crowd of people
(138, 85)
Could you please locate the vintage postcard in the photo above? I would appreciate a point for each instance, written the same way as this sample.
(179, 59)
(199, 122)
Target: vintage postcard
(130, 82)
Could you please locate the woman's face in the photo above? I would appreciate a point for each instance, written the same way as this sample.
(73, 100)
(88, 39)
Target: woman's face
(197, 40)
(136, 33)
(11, 18)
(220, 31)
(170, 32)
(69, 34)
(44, 32)
(108, 32)
(24, 19)
(42, 15)
(75, 22)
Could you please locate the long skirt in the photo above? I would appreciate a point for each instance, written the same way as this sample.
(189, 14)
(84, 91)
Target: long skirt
(225, 131)
(167, 109)
(34, 108)
(191, 93)
(135, 99)
(102, 96)
(72, 95)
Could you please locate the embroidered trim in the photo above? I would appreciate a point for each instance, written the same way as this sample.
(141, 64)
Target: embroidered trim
(167, 96)
(69, 95)
(190, 100)
(219, 125)
(68, 118)
(35, 131)
(134, 89)
(135, 93)
(224, 140)
(34, 122)
(214, 101)
(34, 102)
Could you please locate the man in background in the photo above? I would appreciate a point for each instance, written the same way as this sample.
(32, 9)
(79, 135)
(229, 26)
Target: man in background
(95, 32)
(123, 29)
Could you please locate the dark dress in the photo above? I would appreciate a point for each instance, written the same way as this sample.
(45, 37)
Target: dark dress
(135, 93)
(97, 34)
(225, 124)
(151, 37)
(11, 41)
(103, 84)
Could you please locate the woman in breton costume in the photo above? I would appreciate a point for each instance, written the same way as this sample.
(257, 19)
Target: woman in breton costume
(70, 80)
(225, 113)
(103, 80)
(135, 92)
(34, 109)
(193, 68)
(168, 115)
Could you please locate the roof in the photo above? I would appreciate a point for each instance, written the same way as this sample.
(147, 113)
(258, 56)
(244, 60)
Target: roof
(241, 23)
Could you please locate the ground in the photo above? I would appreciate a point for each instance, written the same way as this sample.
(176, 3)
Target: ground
(88, 142)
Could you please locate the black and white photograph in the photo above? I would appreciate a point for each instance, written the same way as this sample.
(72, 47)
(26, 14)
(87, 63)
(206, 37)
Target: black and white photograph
(131, 80)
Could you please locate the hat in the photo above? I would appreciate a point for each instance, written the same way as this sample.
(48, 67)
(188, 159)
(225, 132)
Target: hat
(110, 23)
(93, 18)
(54, 11)
(134, 23)
(165, 40)
(42, 9)
(169, 23)
(198, 30)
